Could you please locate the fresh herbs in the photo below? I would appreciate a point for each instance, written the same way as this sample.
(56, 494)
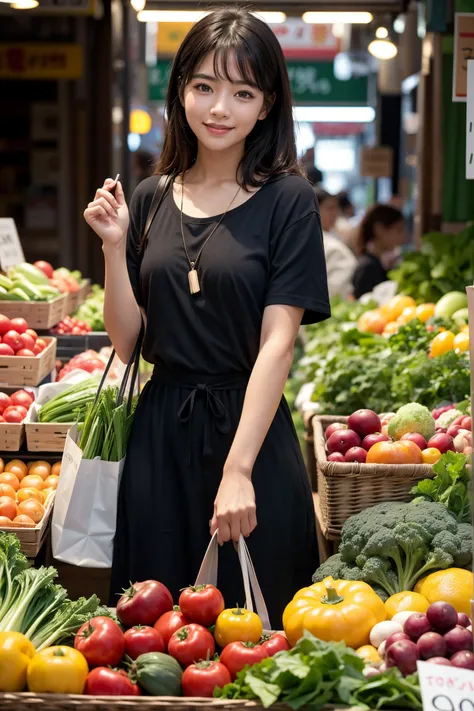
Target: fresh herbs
(315, 673)
(451, 486)
(107, 425)
(31, 603)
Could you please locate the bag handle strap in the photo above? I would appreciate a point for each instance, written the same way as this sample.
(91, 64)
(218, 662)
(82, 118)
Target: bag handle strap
(133, 362)
(162, 187)
(208, 575)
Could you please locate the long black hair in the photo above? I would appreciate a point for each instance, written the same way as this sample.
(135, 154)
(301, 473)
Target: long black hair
(270, 147)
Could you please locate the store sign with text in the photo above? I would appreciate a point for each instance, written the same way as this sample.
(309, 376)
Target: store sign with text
(312, 83)
(41, 61)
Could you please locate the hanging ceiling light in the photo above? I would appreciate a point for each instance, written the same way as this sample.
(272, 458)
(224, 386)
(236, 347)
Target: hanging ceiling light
(24, 4)
(337, 18)
(382, 47)
(138, 5)
(381, 33)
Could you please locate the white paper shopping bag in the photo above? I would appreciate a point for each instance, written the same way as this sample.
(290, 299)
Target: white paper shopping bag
(85, 511)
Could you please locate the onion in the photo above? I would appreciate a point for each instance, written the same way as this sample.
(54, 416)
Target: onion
(442, 616)
(431, 644)
(403, 655)
(416, 625)
(442, 661)
(463, 619)
(382, 630)
(458, 639)
(369, 672)
(463, 660)
(381, 649)
(460, 442)
(395, 637)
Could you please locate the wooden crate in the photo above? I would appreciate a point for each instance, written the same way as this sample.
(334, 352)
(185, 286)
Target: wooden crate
(26, 370)
(78, 298)
(39, 314)
(46, 436)
(31, 539)
(346, 488)
(11, 436)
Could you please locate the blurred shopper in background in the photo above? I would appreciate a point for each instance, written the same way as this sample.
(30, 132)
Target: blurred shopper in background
(340, 261)
(381, 234)
(143, 165)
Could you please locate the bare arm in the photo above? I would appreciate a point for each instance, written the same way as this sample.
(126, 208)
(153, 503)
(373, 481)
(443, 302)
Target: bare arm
(108, 216)
(234, 509)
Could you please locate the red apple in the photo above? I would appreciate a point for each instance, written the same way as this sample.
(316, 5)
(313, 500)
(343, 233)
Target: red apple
(372, 439)
(334, 427)
(342, 440)
(356, 454)
(13, 416)
(453, 430)
(6, 350)
(27, 341)
(466, 424)
(416, 438)
(25, 353)
(336, 457)
(12, 339)
(45, 267)
(19, 325)
(443, 442)
(5, 324)
(364, 422)
(31, 332)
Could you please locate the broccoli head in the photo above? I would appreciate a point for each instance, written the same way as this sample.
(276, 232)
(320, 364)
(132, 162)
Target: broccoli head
(412, 418)
(336, 568)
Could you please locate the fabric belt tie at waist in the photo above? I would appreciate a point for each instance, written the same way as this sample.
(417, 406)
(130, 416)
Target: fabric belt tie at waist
(206, 386)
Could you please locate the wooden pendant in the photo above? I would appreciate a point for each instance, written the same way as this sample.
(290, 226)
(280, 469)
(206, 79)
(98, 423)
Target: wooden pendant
(193, 279)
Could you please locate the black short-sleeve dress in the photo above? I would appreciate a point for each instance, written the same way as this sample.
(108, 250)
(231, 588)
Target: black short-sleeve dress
(267, 251)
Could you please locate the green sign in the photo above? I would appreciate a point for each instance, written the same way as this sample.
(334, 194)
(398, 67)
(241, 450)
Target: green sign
(312, 83)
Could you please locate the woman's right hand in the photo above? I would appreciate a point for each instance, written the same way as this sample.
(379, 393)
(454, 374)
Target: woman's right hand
(108, 215)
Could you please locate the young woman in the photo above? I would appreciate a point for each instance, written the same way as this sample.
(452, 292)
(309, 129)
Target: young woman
(213, 445)
(381, 232)
(340, 261)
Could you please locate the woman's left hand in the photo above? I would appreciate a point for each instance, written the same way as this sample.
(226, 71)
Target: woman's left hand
(234, 507)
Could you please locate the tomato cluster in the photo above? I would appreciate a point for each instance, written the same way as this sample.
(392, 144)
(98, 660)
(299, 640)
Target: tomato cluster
(16, 338)
(190, 633)
(71, 326)
(14, 407)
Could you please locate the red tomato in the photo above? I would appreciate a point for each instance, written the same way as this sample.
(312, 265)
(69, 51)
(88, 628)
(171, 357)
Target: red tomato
(12, 416)
(37, 349)
(6, 350)
(101, 641)
(45, 267)
(192, 643)
(170, 622)
(202, 604)
(12, 339)
(5, 401)
(201, 679)
(110, 682)
(274, 642)
(143, 603)
(141, 640)
(25, 352)
(42, 343)
(32, 333)
(27, 341)
(21, 397)
(5, 324)
(238, 654)
(19, 325)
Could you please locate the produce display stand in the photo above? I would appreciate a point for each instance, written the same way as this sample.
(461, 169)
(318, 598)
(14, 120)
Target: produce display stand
(12, 435)
(345, 489)
(74, 300)
(39, 314)
(69, 346)
(45, 436)
(26, 370)
(32, 539)
(59, 702)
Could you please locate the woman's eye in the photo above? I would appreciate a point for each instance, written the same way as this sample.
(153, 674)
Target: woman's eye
(244, 94)
(203, 87)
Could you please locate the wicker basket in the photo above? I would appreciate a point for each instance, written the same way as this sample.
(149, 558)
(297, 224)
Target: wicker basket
(26, 370)
(77, 298)
(39, 314)
(60, 702)
(346, 489)
(32, 539)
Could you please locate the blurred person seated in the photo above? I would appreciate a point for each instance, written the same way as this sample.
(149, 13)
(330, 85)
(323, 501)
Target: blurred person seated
(340, 261)
(314, 175)
(381, 234)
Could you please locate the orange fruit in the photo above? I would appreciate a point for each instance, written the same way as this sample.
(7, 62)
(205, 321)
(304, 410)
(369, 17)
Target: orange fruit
(42, 469)
(442, 343)
(56, 468)
(52, 481)
(32, 480)
(430, 455)
(4, 521)
(414, 452)
(17, 467)
(407, 315)
(391, 328)
(24, 519)
(30, 493)
(7, 507)
(8, 490)
(390, 453)
(461, 343)
(32, 508)
(397, 306)
(425, 311)
(11, 479)
(372, 321)
(2, 465)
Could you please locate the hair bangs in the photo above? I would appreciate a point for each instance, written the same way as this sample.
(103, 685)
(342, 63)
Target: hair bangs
(224, 60)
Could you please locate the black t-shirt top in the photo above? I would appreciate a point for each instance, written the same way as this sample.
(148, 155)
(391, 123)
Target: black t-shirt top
(269, 250)
(369, 273)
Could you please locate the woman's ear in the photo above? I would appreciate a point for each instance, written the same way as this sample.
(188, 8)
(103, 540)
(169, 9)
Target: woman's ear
(267, 107)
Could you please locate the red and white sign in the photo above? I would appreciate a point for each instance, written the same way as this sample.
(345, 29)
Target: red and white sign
(300, 40)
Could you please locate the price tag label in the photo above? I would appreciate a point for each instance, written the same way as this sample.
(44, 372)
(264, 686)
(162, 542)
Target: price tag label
(11, 252)
(446, 688)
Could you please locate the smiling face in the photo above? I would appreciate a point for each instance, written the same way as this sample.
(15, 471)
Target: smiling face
(222, 108)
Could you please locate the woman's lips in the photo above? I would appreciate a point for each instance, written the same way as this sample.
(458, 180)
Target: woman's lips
(217, 130)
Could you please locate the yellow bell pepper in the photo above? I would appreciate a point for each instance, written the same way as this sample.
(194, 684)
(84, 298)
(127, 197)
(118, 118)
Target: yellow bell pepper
(334, 610)
(237, 625)
(16, 651)
(57, 670)
(453, 585)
